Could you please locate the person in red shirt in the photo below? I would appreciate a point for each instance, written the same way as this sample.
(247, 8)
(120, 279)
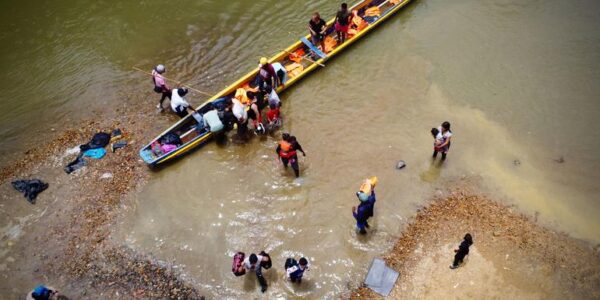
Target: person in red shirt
(273, 117)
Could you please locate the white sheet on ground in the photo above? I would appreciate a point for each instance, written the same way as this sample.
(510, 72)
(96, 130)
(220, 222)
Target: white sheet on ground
(380, 278)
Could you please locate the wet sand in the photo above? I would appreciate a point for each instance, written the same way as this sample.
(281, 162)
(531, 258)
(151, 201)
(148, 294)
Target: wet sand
(513, 257)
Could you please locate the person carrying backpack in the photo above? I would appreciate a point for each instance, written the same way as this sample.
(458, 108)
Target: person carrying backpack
(256, 263)
(295, 269)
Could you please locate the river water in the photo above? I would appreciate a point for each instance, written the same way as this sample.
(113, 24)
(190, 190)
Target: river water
(517, 80)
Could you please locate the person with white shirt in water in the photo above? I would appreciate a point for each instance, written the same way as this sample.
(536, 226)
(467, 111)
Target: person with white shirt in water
(239, 111)
(255, 263)
(446, 134)
(178, 104)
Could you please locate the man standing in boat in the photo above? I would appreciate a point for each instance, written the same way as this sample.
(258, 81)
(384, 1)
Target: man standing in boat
(342, 21)
(160, 85)
(317, 28)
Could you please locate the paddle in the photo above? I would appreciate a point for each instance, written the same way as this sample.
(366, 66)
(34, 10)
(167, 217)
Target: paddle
(184, 85)
(307, 59)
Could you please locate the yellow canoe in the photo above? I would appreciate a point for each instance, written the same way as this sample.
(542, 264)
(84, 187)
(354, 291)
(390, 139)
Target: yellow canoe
(189, 134)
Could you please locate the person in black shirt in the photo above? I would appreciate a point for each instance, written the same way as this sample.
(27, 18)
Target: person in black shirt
(342, 22)
(317, 28)
(462, 251)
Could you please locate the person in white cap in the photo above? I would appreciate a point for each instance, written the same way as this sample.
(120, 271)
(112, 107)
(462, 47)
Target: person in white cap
(160, 85)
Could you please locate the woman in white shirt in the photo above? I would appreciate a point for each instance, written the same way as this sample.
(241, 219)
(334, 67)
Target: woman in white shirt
(446, 139)
(178, 104)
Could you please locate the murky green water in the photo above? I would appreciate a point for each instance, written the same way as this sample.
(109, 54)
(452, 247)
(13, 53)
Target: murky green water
(517, 80)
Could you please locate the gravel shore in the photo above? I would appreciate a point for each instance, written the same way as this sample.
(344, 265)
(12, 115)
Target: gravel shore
(66, 243)
(512, 256)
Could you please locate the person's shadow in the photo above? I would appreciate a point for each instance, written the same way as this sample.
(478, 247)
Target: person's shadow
(433, 173)
(251, 281)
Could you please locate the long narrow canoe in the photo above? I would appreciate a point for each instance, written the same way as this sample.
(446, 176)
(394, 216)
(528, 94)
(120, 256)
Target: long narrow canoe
(190, 134)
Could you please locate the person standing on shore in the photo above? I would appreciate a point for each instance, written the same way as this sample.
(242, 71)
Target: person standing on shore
(446, 136)
(160, 85)
(462, 251)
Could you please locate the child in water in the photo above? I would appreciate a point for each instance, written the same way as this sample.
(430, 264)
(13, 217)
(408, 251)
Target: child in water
(438, 139)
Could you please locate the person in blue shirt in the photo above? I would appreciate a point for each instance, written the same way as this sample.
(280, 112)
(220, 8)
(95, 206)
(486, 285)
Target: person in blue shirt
(295, 270)
(364, 212)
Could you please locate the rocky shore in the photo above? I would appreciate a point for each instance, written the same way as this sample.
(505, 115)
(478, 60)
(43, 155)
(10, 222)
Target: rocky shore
(512, 256)
(68, 244)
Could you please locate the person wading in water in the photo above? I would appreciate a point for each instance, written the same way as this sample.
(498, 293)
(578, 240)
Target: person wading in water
(446, 134)
(287, 152)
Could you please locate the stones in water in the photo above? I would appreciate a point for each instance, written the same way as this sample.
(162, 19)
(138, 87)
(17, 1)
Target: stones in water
(400, 165)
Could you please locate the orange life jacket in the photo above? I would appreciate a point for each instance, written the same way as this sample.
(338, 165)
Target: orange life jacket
(357, 24)
(330, 43)
(297, 55)
(240, 94)
(294, 69)
(286, 149)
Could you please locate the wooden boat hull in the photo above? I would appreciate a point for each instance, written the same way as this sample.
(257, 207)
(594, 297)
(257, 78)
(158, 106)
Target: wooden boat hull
(202, 138)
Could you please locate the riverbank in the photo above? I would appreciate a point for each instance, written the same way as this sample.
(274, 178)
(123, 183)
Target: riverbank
(64, 239)
(512, 256)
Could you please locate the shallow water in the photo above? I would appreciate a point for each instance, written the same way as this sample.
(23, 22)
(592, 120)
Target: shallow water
(517, 80)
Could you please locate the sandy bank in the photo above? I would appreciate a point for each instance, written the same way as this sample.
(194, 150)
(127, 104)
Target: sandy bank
(513, 257)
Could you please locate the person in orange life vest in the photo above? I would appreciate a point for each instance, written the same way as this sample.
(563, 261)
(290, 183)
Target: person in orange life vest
(287, 153)
(342, 21)
(160, 85)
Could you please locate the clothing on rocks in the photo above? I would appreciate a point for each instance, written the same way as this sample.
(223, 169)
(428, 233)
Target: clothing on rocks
(118, 145)
(30, 188)
(97, 153)
(99, 140)
(77, 164)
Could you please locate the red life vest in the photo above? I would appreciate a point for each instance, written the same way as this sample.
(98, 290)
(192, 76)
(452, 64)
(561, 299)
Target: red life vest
(286, 149)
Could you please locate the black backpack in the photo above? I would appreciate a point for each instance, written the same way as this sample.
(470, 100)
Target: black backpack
(290, 262)
(266, 264)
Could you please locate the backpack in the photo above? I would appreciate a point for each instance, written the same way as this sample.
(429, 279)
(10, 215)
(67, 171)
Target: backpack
(266, 264)
(238, 260)
(290, 262)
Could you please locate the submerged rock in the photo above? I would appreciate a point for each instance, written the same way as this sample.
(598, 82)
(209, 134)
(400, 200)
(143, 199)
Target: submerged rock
(400, 165)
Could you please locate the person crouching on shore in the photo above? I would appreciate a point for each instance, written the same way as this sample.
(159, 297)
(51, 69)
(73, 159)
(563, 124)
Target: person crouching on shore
(462, 251)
